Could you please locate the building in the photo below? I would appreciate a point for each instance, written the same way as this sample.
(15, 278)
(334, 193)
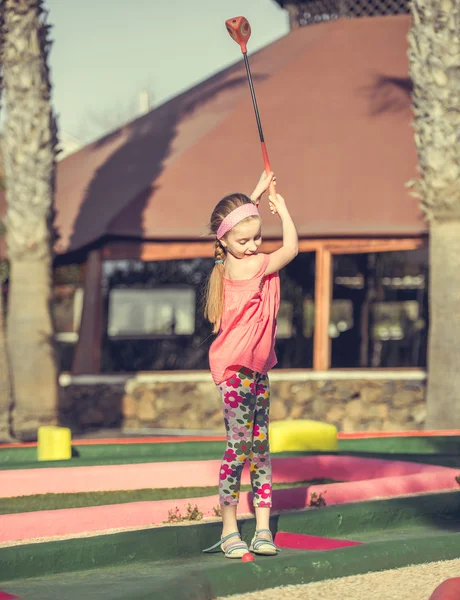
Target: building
(335, 104)
(310, 12)
(132, 209)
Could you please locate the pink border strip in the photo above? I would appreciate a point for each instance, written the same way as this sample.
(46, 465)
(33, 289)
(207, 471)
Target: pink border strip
(67, 480)
(71, 522)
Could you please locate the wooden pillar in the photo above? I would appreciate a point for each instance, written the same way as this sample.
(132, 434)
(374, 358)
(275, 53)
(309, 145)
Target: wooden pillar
(87, 358)
(323, 297)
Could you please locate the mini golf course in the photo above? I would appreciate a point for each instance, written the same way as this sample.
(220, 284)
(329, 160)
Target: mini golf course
(106, 523)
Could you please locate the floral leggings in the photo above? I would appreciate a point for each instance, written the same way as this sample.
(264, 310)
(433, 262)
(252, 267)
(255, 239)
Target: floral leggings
(246, 403)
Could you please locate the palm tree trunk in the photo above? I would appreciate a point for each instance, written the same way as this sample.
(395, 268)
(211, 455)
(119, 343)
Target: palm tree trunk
(443, 410)
(434, 53)
(5, 383)
(29, 154)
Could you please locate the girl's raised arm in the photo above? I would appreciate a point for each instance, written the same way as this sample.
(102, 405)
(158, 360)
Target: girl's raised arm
(290, 248)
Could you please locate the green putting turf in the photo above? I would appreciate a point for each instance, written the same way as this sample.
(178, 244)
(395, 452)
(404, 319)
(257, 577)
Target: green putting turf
(434, 513)
(57, 501)
(114, 454)
(167, 562)
(404, 445)
(205, 578)
(442, 450)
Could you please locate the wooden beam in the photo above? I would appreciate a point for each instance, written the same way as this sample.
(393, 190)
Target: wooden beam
(364, 246)
(87, 357)
(304, 245)
(150, 251)
(177, 250)
(171, 250)
(323, 299)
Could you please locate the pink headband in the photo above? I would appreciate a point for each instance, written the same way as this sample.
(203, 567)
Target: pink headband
(237, 215)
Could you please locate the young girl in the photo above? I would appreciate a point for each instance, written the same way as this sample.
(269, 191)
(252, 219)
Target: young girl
(242, 303)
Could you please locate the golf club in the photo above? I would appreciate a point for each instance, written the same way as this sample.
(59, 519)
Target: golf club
(240, 30)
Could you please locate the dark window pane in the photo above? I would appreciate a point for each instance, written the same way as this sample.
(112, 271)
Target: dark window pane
(161, 311)
(379, 314)
(189, 349)
(294, 343)
(66, 308)
(169, 331)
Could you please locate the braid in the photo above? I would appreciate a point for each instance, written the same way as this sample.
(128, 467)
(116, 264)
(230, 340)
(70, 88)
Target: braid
(219, 253)
(215, 293)
(214, 304)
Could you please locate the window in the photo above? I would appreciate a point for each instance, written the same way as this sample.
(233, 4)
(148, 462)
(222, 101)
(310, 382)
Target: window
(294, 340)
(67, 309)
(379, 313)
(284, 321)
(162, 311)
(341, 318)
(153, 315)
(67, 306)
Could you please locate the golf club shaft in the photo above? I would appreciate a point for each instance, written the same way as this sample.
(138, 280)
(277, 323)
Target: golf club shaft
(259, 124)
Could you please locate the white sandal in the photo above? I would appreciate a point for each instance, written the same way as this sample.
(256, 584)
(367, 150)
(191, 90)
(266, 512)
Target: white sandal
(262, 546)
(235, 549)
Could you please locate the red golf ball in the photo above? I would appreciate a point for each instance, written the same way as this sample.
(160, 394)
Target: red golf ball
(248, 557)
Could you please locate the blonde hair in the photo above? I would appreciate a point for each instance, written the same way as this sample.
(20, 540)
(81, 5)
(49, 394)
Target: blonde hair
(214, 300)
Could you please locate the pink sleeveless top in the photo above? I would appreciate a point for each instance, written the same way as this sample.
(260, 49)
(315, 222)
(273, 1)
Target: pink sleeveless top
(248, 329)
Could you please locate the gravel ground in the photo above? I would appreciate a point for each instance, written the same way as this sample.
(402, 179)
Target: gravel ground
(416, 582)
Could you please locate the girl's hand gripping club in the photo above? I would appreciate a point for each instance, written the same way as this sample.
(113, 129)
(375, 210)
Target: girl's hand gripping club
(240, 31)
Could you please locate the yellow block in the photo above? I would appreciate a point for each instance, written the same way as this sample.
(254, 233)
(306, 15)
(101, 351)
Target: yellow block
(54, 443)
(302, 434)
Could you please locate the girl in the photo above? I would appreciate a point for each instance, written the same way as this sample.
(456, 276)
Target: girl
(242, 303)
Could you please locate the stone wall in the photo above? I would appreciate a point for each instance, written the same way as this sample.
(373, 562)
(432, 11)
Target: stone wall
(352, 401)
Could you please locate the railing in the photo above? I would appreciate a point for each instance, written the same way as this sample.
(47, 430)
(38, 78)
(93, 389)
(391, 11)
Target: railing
(316, 11)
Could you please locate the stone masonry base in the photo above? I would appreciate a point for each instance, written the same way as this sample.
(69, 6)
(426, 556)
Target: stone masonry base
(350, 400)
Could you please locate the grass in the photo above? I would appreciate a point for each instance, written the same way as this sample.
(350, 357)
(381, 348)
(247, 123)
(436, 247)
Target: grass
(442, 450)
(37, 502)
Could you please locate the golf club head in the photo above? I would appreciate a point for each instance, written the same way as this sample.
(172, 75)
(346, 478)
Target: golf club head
(240, 30)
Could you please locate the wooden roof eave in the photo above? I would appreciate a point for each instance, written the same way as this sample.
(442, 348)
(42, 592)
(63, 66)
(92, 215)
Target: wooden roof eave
(177, 250)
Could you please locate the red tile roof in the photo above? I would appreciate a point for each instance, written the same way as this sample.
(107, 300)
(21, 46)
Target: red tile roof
(334, 100)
